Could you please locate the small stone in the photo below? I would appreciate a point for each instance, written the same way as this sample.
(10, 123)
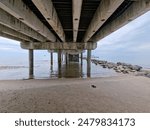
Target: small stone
(93, 86)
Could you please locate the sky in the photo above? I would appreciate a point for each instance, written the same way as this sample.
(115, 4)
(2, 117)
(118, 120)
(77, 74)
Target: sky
(130, 44)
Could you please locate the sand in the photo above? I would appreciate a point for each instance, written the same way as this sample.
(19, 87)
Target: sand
(112, 94)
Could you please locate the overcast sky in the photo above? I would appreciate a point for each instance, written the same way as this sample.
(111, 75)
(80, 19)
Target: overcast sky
(129, 44)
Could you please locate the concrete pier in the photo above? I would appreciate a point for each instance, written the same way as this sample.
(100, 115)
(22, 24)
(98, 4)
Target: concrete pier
(66, 58)
(51, 54)
(88, 63)
(81, 59)
(31, 64)
(59, 63)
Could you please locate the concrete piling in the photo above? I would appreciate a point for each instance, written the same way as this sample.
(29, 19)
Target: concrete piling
(88, 63)
(31, 64)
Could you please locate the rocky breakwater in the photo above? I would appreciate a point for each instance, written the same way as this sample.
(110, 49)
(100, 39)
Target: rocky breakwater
(123, 67)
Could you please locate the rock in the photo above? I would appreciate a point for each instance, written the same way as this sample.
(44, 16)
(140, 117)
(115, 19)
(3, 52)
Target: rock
(148, 75)
(118, 71)
(123, 64)
(102, 62)
(93, 86)
(110, 66)
(136, 67)
(132, 67)
(104, 66)
(119, 63)
(120, 67)
(126, 71)
(132, 70)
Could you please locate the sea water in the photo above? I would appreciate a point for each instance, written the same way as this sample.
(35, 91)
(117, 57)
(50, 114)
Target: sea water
(15, 66)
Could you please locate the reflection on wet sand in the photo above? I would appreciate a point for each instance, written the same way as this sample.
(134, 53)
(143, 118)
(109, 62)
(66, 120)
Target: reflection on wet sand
(70, 70)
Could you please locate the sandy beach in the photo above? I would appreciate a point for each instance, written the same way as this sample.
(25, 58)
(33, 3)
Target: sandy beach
(112, 94)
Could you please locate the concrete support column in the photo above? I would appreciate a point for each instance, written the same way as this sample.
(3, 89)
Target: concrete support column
(62, 57)
(51, 58)
(31, 64)
(51, 62)
(88, 63)
(59, 63)
(81, 58)
(66, 58)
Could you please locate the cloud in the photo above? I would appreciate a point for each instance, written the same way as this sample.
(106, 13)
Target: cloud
(8, 46)
(144, 48)
(130, 44)
(5, 48)
(132, 37)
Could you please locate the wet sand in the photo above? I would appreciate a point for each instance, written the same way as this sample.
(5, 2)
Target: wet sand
(112, 94)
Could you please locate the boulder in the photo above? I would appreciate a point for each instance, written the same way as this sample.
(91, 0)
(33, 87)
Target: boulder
(118, 71)
(136, 67)
(110, 66)
(104, 66)
(148, 75)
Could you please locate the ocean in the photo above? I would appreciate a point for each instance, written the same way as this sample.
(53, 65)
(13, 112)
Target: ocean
(16, 67)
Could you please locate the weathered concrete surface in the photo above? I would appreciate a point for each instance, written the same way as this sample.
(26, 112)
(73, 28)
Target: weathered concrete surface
(14, 33)
(113, 94)
(58, 46)
(10, 37)
(76, 12)
(11, 22)
(21, 12)
(48, 11)
(103, 12)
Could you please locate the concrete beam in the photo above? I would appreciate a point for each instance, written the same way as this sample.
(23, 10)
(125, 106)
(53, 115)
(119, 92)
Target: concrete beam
(10, 37)
(14, 33)
(58, 46)
(11, 22)
(136, 9)
(76, 9)
(48, 11)
(103, 12)
(20, 11)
